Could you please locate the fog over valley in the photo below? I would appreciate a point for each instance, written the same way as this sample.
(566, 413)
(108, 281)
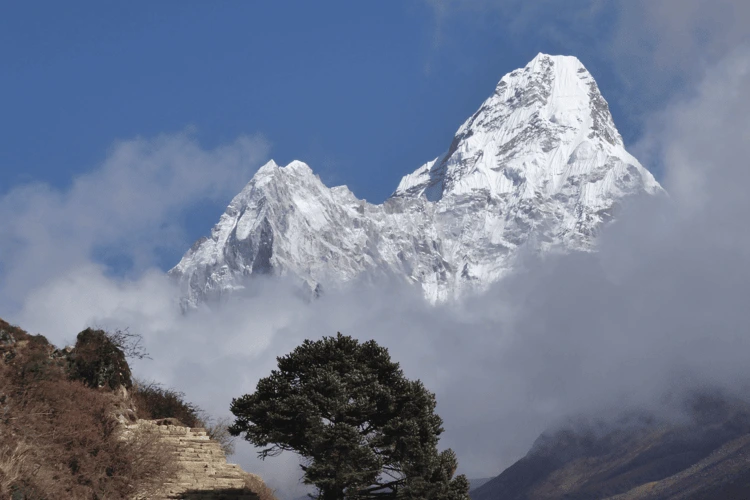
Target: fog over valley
(640, 318)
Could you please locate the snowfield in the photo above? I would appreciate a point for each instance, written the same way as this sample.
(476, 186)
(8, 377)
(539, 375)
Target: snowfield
(540, 164)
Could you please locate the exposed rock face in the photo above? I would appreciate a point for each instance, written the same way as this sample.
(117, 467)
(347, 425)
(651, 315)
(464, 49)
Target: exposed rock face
(203, 471)
(540, 164)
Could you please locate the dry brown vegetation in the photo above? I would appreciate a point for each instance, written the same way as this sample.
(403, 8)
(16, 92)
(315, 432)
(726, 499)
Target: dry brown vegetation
(256, 485)
(218, 430)
(59, 437)
(60, 421)
(156, 402)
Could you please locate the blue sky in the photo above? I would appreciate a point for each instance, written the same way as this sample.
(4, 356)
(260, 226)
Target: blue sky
(362, 91)
(126, 128)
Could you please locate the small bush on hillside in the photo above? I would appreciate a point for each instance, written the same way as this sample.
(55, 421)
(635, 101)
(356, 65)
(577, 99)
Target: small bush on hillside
(153, 401)
(218, 430)
(257, 486)
(131, 344)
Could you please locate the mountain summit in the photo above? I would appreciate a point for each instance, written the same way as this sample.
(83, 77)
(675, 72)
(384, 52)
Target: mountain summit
(540, 164)
(525, 133)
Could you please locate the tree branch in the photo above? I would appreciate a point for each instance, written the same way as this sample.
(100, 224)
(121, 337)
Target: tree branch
(380, 486)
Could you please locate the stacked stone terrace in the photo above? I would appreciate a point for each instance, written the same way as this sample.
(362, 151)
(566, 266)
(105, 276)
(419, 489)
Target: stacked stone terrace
(204, 473)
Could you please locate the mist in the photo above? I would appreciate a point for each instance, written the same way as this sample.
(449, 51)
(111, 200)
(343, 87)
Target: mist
(660, 309)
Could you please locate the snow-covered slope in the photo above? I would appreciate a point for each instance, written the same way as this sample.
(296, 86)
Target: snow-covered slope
(539, 164)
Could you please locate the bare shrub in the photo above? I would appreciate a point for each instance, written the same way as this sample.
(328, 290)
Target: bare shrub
(146, 465)
(218, 430)
(256, 485)
(153, 401)
(131, 344)
(13, 460)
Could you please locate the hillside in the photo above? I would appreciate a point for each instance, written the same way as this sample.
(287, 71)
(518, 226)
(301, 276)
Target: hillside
(706, 457)
(73, 425)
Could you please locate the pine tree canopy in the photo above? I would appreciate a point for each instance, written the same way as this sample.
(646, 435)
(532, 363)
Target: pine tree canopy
(364, 430)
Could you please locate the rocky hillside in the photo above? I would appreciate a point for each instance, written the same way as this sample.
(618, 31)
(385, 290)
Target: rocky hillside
(71, 427)
(540, 164)
(201, 468)
(705, 457)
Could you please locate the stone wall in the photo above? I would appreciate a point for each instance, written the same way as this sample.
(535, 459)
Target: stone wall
(203, 471)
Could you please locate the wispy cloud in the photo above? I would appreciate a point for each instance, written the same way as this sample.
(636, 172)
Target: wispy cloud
(657, 48)
(658, 310)
(129, 205)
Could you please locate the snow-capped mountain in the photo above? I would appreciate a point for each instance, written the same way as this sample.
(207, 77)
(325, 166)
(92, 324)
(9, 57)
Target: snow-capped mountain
(540, 164)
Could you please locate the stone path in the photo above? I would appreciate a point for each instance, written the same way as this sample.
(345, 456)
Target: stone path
(204, 473)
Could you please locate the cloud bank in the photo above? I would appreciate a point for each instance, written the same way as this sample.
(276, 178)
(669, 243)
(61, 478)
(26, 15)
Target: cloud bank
(660, 309)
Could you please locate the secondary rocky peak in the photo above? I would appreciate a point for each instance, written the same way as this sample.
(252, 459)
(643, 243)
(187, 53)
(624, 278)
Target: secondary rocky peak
(271, 169)
(540, 163)
(272, 180)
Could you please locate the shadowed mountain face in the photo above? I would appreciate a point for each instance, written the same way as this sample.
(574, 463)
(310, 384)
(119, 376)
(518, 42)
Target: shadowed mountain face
(705, 457)
(476, 483)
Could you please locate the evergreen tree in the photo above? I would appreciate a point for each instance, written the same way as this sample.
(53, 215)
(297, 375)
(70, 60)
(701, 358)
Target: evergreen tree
(363, 428)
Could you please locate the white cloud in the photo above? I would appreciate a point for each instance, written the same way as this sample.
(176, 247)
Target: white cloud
(683, 36)
(660, 308)
(129, 203)
(656, 48)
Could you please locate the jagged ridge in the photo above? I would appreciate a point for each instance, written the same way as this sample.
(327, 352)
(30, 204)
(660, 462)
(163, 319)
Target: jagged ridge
(540, 164)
